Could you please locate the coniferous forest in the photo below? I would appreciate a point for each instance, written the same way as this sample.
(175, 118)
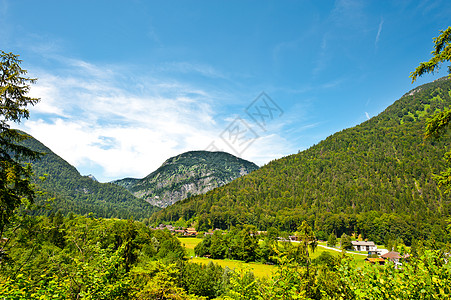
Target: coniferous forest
(375, 179)
(383, 182)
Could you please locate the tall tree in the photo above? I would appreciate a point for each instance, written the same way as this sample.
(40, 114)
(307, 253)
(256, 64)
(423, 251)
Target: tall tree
(438, 124)
(15, 185)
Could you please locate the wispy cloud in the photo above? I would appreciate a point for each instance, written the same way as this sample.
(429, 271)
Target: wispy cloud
(379, 30)
(349, 13)
(322, 57)
(185, 67)
(98, 116)
(367, 116)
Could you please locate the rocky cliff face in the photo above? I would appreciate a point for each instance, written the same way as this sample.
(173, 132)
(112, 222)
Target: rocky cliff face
(188, 174)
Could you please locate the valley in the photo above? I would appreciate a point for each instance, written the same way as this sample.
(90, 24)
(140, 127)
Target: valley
(338, 186)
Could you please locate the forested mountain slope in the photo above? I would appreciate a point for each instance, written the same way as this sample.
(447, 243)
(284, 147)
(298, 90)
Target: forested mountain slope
(81, 194)
(374, 179)
(187, 174)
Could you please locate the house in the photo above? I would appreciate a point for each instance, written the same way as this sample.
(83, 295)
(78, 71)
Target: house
(379, 251)
(364, 246)
(191, 231)
(395, 257)
(392, 256)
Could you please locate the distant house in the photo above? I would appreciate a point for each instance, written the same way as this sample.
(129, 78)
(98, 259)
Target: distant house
(190, 231)
(364, 246)
(293, 238)
(168, 227)
(394, 257)
(379, 252)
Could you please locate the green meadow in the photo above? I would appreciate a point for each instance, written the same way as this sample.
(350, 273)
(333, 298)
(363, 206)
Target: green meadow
(259, 269)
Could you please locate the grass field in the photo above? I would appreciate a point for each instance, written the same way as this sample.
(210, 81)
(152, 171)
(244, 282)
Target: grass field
(259, 269)
(189, 243)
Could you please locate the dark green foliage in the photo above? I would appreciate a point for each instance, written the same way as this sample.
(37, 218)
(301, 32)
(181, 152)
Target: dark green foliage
(80, 194)
(187, 174)
(332, 240)
(328, 260)
(15, 186)
(241, 243)
(373, 179)
(238, 243)
(345, 242)
(204, 280)
(87, 256)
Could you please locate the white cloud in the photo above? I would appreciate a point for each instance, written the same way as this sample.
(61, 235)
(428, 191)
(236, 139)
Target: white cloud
(97, 117)
(367, 116)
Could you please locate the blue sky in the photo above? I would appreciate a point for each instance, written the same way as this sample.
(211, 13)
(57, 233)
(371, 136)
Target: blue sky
(124, 85)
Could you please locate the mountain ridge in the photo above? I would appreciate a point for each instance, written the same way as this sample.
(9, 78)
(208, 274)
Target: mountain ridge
(354, 181)
(74, 193)
(187, 174)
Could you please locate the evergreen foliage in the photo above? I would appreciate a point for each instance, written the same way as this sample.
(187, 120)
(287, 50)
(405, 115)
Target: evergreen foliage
(438, 124)
(374, 179)
(15, 186)
(73, 193)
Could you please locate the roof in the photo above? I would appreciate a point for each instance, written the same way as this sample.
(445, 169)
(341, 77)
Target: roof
(363, 243)
(391, 254)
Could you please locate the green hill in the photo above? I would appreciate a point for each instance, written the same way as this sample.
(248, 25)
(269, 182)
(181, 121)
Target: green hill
(81, 194)
(187, 174)
(374, 179)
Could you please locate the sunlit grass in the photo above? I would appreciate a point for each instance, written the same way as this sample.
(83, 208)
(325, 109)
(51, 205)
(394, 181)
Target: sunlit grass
(189, 243)
(260, 270)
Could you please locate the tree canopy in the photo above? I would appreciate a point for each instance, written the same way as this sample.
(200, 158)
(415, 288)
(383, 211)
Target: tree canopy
(15, 185)
(441, 52)
(438, 124)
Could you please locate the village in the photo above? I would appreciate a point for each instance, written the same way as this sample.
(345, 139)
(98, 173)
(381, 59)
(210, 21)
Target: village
(374, 255)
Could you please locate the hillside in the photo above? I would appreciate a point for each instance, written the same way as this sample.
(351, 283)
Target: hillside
(187, 174)
(374, 179)
(82, 194)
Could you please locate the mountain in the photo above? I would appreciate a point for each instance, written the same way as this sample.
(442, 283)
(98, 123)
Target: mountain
(374, 179)
(92, 177)
(82, 194)
(187, 174)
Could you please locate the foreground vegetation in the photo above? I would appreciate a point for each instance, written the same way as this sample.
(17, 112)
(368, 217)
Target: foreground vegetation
(76, 257)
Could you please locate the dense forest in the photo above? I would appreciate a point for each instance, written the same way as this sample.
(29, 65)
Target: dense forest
(375, 179)
(72, 193)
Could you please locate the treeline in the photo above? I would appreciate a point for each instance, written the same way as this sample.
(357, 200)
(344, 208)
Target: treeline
(375, 179)
(73, 193)
(238, 243)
